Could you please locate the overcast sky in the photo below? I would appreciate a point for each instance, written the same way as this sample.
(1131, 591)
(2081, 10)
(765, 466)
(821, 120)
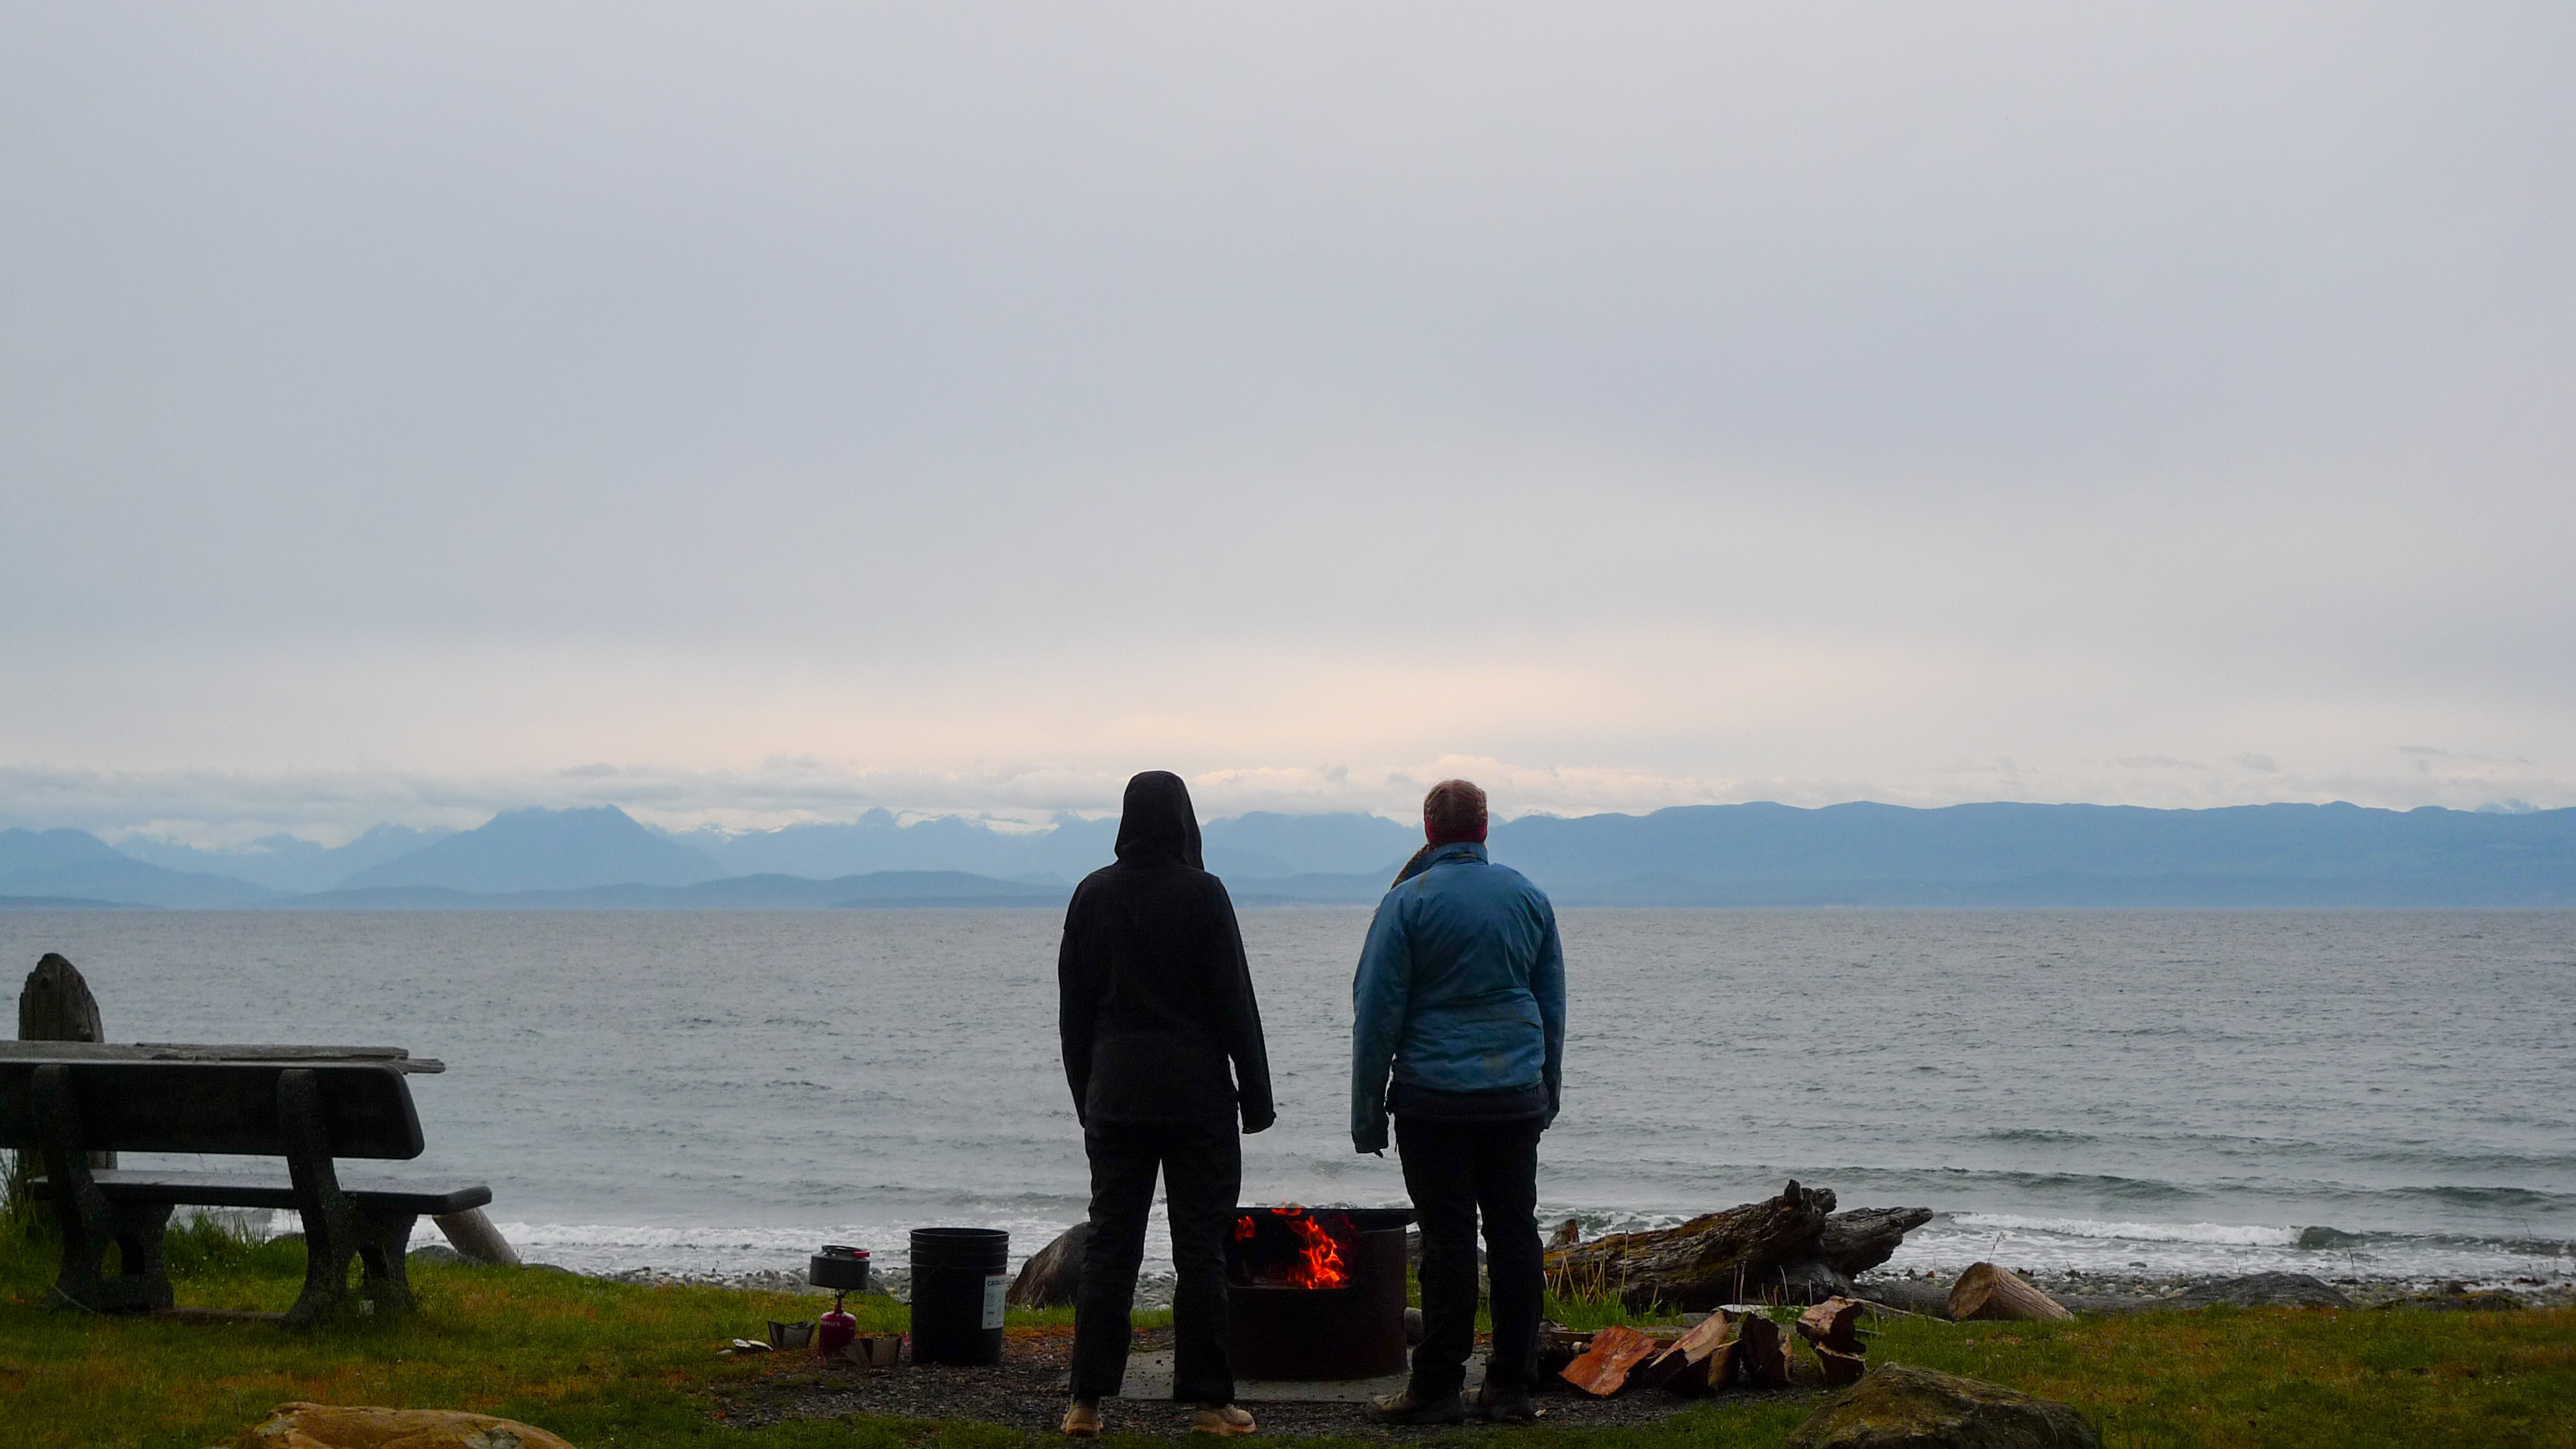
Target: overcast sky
(743, 412)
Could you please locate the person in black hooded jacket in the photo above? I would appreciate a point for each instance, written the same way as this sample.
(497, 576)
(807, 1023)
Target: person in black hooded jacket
(1163, 1050)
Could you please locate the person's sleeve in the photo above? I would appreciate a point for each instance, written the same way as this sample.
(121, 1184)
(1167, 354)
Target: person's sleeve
(1240, 1015)
(1380, 992)
(1077, 980)
(1547, 983)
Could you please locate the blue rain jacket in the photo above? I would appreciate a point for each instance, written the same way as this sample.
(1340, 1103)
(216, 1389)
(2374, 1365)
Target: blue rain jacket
(1461, 988)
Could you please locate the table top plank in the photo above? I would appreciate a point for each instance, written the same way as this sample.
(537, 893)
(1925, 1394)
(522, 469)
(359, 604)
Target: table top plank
(398, 1058)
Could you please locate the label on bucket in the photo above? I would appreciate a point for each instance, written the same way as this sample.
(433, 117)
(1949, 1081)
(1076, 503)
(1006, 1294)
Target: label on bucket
(996, 1288)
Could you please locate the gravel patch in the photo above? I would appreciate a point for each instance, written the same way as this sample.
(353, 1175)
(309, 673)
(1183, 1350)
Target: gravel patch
(1026, 1391)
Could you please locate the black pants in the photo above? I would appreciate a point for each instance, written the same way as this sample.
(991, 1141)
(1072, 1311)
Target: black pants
(1456, 1171)
(1202, 1168)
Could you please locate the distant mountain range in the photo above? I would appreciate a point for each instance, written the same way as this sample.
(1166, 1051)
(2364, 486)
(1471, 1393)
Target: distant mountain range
(1860, 854)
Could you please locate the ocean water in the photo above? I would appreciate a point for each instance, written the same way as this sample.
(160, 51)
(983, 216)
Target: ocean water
(2388, 1094)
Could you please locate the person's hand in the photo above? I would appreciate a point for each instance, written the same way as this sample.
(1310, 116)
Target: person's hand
(1257, 1121)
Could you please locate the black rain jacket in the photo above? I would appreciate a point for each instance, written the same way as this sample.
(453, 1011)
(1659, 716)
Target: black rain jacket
(1156, 996)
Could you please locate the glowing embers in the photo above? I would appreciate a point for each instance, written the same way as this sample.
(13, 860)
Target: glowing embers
(1306, 1255)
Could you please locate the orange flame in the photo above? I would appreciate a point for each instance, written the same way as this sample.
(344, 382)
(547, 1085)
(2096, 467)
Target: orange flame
(1243, 1230)
(1319, 1258)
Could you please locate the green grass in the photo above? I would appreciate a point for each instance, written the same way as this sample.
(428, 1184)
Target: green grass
(618, 1364)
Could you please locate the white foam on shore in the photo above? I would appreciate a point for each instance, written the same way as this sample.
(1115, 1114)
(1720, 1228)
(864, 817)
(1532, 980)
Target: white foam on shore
(1946, 1245)
(2220, 1233)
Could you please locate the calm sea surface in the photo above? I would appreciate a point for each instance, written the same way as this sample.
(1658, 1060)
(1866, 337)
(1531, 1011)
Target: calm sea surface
(2184, 1091)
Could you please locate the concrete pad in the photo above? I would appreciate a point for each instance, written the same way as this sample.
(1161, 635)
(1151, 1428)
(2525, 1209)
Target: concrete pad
(1149, 1376)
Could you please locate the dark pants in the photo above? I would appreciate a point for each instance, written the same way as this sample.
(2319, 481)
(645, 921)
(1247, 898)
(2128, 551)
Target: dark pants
(1455, 1171)
(1202, 1168)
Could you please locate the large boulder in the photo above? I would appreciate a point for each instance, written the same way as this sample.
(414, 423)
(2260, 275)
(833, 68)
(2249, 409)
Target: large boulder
(326, 1426)
(2261, 1290)
(1898, 1407)
(1052, 1277)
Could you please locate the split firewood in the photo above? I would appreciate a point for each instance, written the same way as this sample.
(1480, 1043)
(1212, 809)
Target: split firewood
(1559, 1346)
(1701, 1361)
(1602, 1369)
(1840, 1368)
(1830, 1324)
(1762, 1352)
(1829, 1329)
(1986, 1291)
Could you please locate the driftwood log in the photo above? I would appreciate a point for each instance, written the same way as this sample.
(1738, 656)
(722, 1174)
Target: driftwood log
(1793, 1248)
(1861, 1239)
(1986, 1291)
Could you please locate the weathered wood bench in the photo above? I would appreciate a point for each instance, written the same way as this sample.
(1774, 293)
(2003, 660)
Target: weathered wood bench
(66, 1107)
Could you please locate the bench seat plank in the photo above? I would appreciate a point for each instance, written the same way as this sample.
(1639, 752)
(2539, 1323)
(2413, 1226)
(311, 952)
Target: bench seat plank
(371, 1191)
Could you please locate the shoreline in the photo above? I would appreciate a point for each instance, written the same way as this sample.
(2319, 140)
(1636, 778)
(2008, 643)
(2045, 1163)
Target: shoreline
(1920, 1292)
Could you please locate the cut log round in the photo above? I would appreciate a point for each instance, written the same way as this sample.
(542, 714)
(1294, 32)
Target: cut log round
(1986, 1291)
(1603, 1369)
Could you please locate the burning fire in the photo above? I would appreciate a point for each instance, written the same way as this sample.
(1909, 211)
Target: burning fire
(1317, 1262)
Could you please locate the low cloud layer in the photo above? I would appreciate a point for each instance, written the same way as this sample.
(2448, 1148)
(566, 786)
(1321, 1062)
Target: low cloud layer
(220, 809)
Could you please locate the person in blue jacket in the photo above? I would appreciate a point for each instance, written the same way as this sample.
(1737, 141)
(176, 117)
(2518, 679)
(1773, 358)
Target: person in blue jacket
(1460, 999)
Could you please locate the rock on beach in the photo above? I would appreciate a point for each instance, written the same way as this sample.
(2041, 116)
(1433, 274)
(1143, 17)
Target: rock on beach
(329, 1426)
(1895, 1406)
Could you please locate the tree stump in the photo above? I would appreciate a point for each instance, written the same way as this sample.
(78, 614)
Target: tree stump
(56, 1005)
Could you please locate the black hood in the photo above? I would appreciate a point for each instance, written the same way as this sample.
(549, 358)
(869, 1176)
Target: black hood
(1157, 826)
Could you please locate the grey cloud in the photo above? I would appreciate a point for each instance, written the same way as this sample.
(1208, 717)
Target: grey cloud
(482, 388)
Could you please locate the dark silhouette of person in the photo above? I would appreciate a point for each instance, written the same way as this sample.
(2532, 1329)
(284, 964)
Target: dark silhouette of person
(1163, 1050)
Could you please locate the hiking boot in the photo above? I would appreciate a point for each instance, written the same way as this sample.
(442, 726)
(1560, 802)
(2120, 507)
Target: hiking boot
(1505, 1405)
(1221, 1419)
(1082, 1419)
(1410, 1408)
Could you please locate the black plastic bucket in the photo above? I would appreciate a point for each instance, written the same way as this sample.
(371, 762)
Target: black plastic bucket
(958, 1278)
